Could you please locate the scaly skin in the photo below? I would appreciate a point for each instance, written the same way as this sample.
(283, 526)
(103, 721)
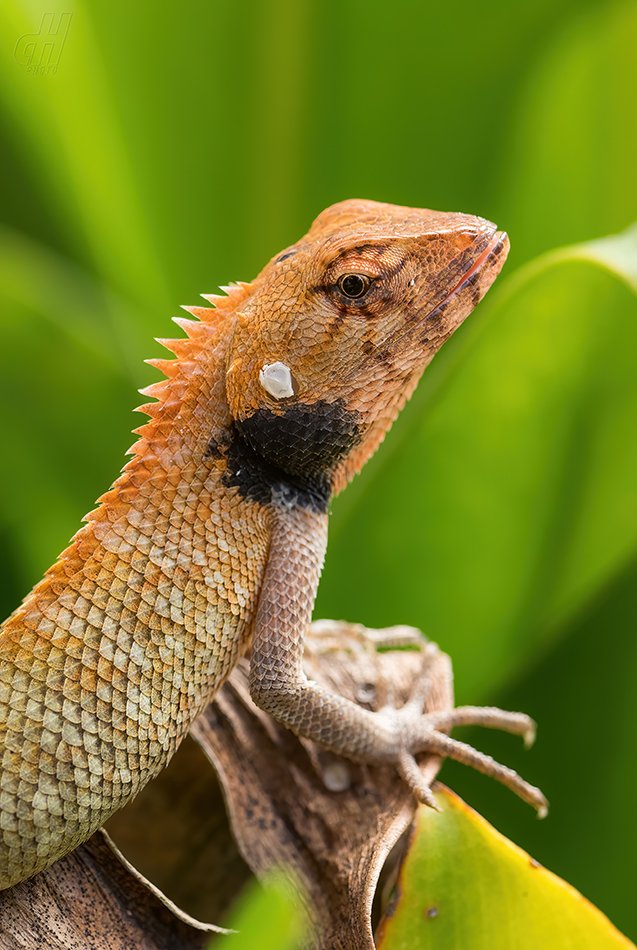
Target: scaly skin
(214, 535)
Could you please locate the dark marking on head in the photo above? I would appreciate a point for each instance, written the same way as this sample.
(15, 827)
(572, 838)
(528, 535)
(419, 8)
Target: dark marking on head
(365, 310)
(337, 320)
(411, 316)
(369, 306)
(284, 256)
(372, 250)
(396, 269)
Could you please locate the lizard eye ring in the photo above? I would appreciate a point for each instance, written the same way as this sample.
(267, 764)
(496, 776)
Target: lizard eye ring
(353, 285)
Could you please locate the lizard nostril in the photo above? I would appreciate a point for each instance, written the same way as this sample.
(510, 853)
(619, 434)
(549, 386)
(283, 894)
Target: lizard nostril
(465, 238)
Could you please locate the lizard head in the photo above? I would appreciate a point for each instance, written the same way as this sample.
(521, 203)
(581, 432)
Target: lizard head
(337, 329)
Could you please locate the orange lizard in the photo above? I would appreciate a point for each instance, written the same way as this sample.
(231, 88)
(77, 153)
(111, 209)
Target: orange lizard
(213, 537)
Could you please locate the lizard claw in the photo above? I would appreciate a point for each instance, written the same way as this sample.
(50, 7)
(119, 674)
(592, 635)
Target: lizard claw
(428, 733)
(410, 773)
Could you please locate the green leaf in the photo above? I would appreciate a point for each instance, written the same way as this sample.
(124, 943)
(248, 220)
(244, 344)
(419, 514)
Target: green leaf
(69, 352)
(507, 497)
(582, 695)
(464, 886)
(84, 163)
(267, 917)
(569, 173)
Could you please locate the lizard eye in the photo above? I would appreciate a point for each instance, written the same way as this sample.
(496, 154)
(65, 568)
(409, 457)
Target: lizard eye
(353, 285)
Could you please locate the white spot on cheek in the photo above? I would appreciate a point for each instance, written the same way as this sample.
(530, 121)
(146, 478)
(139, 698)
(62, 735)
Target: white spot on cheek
(276, 379)
(412, 281)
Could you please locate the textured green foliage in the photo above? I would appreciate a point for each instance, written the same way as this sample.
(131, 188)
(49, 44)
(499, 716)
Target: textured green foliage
(178, 147)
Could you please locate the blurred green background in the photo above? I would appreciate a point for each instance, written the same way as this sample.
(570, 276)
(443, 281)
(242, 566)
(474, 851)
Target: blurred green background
(162, 150)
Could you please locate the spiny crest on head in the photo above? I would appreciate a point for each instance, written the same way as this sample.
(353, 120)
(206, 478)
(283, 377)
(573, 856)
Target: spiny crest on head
(197, 334)
(169, 391)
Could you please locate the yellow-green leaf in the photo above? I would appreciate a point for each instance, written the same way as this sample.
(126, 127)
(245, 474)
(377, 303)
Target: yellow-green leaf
(464, 886)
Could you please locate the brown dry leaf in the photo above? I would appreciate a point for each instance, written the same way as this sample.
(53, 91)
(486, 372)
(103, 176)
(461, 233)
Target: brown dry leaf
(92, 899)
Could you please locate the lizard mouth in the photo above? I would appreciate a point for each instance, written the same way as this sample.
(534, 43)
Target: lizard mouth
(480, 275)
(499, 241)
(490, 256)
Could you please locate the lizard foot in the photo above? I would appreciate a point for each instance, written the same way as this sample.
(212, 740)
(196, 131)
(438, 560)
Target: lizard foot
(407, 706)
(428, 732)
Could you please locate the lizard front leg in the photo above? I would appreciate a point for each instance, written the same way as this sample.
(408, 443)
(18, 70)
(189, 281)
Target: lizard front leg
(391, 737)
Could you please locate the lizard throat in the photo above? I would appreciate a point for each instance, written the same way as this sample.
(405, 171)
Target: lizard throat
(290, 455)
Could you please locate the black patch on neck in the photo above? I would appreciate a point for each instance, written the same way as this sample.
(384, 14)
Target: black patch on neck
(292, 455)
(305, 440)
(214, 449)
